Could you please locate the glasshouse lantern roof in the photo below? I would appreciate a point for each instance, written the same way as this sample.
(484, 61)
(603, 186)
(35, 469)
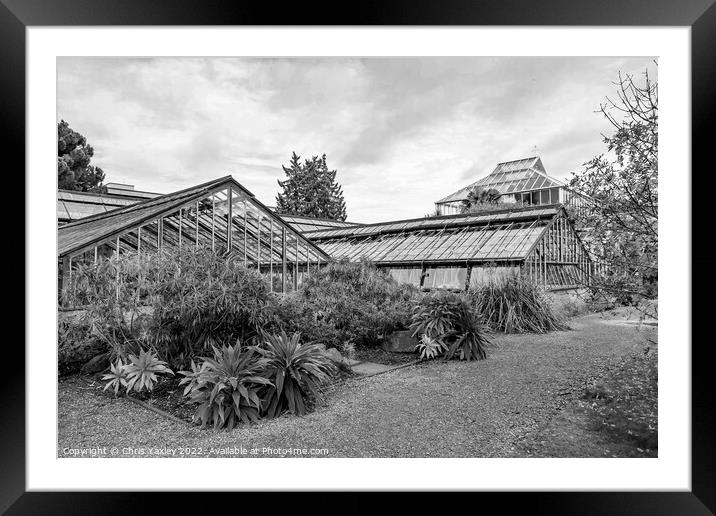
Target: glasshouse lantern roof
(521, 175)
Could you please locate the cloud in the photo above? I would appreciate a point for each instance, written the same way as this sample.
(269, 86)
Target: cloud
(402, 132)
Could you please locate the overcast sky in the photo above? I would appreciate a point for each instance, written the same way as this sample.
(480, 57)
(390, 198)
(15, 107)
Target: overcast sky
(402, 132)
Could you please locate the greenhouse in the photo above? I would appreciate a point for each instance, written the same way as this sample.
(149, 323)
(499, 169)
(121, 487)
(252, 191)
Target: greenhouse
(460, 251)
(523, 182)
(303, 224)
(221, 215)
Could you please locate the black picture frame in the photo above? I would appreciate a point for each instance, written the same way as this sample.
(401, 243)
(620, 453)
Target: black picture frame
(700, 15)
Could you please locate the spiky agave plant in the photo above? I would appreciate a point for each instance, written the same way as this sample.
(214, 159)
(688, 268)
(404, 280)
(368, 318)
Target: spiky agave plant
(227, 387)
(429, 347)
(142, 371)
(117, 377)
(296, 370)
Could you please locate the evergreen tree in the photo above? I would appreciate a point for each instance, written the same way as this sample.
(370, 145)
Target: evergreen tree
(310, 189)
(288, 202)
(74, 171)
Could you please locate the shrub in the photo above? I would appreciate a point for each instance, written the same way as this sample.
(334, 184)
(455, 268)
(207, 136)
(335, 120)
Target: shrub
(514, 305)
(75, 343)
(294, 313)
(226, 388)
(111, 296)
(348, 302)
(296, 371)
(139, 374)
(206, 300)
(450, 319)
(177, 302)
(566, 306)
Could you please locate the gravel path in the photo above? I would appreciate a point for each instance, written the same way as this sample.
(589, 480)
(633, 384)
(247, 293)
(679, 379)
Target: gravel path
(436, 409)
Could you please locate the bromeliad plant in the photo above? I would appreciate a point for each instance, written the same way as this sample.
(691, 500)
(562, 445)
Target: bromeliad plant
(139, 374)
(227, 387)
(296, 370)
(449, 319)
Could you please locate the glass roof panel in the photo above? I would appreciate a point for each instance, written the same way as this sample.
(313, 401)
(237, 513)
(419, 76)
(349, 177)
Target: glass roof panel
(96, 228)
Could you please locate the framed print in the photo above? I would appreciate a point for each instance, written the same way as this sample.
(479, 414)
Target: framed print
(417, 247)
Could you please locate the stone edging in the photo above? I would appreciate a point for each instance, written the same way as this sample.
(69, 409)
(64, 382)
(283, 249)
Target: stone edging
(415, 362)
(156, 410)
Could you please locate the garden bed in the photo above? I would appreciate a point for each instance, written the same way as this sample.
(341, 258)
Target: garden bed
(484, 409)
(168, 397)
(380, 356)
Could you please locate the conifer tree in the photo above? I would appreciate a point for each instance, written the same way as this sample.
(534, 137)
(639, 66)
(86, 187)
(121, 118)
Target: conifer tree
(310, 189)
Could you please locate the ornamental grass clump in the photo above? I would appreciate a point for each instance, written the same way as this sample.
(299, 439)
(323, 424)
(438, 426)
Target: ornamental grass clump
(450, 320)
(515, 305)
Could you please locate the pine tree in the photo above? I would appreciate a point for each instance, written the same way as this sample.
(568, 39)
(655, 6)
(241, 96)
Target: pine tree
(311, 190)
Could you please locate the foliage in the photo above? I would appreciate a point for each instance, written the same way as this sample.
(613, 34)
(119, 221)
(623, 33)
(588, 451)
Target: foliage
(429, 348)
(296, 371)
(512, 304)
(75, 343)
(622, 185)
(74, 154)
(470, 340)
(567, 306)
(450, 319)
(110, 294)
(139, 374)
(142, 371)
(205, 299)
(177, 302)
(117, 376)
(191, 378)
(226, 388)
(348, 302)
(311, 190)
(478, 197)
(295, 313)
